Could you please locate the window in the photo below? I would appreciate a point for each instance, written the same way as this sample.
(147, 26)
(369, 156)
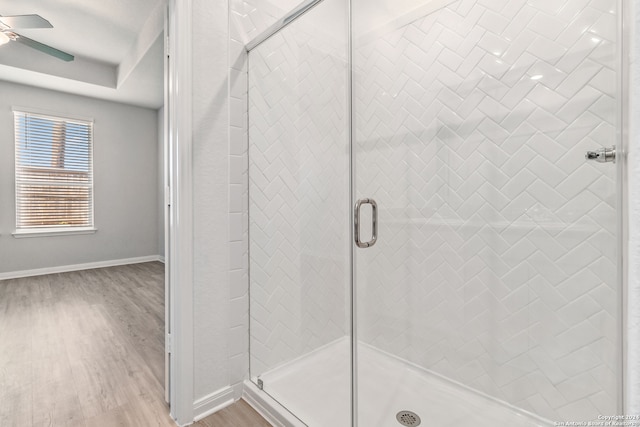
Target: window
(54, 174)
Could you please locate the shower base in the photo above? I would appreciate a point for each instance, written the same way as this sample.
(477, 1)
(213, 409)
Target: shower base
(316, 388)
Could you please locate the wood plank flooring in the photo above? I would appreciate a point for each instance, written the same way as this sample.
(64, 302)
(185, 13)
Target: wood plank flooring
(240, 414)
(86, 348)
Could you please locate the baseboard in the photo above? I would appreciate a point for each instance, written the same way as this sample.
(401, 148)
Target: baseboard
(238, 389)
(213, 402)
(77, 267)
(268, 407)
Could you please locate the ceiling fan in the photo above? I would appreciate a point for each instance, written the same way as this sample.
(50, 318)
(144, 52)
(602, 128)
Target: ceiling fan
(10, 23)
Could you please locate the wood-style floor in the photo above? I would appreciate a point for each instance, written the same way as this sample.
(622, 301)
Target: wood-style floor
(240, 414)
(86, 348)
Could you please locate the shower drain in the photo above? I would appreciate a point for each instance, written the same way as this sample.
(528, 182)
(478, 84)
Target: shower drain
(408, 418)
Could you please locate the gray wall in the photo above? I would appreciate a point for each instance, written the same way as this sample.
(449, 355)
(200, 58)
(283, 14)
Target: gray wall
(125, 183)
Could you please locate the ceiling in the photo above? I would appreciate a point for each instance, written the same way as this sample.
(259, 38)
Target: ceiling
(117, 44)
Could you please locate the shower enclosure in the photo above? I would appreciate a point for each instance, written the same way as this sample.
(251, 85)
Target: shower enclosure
(434, 222)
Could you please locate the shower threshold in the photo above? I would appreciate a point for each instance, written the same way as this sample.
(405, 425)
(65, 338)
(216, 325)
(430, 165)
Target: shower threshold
(316, 388)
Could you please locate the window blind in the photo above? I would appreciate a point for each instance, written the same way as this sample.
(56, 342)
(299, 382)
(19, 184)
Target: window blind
(54, 172)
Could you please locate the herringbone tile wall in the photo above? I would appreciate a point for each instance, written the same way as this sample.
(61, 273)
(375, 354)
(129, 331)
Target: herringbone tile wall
(298, 195)
(496, 260)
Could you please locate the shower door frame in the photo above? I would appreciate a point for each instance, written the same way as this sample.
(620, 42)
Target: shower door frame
(624, 120)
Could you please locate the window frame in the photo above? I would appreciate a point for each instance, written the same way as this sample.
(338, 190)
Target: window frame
(62, 229)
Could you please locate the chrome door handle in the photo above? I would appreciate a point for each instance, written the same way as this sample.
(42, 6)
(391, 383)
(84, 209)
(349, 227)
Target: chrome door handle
(374, 223)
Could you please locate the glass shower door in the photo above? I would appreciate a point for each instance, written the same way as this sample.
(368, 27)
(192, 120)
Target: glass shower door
(491, 296)
(299, 206)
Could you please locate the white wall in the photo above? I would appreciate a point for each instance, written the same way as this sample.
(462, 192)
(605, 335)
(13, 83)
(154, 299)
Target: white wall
(125, 175)
(212, 333)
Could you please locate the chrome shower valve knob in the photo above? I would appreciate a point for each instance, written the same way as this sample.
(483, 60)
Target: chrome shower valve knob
(602, 155)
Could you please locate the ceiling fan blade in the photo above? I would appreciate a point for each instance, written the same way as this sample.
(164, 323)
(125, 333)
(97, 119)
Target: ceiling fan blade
(24, 22)
(44, 48)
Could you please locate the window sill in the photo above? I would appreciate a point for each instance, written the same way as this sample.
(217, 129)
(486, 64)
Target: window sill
(49, 232)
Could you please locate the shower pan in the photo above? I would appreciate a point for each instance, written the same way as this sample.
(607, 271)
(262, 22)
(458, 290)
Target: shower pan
(434, 213)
